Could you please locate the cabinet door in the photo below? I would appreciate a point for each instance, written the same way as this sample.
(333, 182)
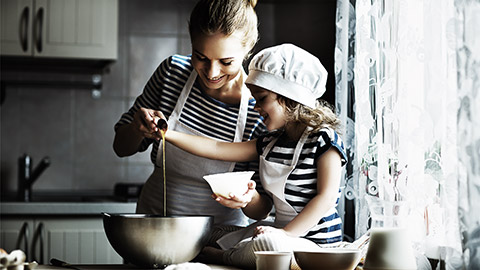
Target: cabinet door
(76, 28)
(76, 240)
(16, 233)
(16, 18)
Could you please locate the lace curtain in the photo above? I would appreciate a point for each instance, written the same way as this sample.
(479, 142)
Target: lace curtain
(407, 90)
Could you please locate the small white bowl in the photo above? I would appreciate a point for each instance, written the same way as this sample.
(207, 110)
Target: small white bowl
(224, 184)
(328, 259)
(269, 260)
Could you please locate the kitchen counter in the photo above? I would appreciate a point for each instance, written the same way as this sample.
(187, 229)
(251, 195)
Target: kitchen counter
(65, 208)
(117, 266)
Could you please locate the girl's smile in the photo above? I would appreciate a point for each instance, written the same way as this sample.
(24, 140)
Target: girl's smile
(268, 107)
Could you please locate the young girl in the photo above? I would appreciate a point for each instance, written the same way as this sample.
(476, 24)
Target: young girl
(300, 159)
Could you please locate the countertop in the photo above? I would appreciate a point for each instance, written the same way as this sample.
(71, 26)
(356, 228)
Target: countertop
(117, 266)
(65, 208)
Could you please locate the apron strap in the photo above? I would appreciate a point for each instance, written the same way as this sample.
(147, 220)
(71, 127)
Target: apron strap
(298, 147)
(183, 96)
(301, 142)
(242, 119)
(242, 114)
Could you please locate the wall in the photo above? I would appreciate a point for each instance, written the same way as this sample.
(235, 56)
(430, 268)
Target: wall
(76, 130)
(309, 24)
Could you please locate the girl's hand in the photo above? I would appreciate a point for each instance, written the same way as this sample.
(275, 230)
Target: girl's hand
(268, 229)
(237, 202)
(145, 123)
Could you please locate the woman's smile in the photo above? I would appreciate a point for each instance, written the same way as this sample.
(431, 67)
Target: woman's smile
(215, 80)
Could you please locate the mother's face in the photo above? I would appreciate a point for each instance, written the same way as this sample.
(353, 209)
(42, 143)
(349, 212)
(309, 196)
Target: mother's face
(217, 58)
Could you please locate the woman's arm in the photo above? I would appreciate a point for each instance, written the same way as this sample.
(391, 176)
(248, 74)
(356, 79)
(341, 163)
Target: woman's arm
(213, 149)
(329, 169)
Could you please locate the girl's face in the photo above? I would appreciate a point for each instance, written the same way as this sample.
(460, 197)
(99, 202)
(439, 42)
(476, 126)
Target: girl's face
(268, 107)
(217, 59)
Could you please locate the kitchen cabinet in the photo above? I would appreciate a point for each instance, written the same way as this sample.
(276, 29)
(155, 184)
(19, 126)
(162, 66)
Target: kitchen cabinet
(76, 239)
(79, 29)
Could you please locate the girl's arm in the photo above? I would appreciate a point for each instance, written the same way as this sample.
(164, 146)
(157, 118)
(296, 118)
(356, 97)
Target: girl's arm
(329, 169)
(213, 149)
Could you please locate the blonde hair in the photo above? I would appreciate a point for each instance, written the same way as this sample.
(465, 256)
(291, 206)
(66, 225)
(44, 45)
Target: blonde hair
(225, 16)
(321, 116)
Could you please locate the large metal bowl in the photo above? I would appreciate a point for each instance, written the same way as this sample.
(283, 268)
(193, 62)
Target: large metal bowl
(155, 241)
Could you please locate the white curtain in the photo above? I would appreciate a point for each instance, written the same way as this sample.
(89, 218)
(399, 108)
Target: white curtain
(407, 90)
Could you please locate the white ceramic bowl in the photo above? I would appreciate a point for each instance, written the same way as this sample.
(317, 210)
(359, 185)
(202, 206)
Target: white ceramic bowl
(223, 184)
(269, 260)
(328, 259)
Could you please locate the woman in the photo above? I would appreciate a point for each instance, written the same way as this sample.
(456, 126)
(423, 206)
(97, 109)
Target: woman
(202, 94)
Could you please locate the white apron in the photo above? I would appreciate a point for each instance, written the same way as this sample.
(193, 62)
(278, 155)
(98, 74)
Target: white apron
(273, 177)
(187, 192)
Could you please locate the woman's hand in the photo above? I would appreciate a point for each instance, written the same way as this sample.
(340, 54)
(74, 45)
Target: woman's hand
(145, 123)
(129, 137)
(237, 202)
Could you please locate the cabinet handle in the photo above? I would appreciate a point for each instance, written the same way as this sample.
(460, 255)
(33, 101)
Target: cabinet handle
(38, 29)
(36, 237)
(23, 235)
(24, 28)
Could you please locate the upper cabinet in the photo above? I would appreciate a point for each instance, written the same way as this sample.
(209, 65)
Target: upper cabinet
(85, 29)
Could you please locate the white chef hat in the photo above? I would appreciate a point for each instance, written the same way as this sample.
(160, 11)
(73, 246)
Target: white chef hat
(289, 71)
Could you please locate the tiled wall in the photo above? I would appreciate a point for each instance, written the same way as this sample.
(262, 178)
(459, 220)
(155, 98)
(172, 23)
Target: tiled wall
(76, 130)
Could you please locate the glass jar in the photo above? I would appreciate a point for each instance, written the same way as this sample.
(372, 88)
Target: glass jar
(390, 246)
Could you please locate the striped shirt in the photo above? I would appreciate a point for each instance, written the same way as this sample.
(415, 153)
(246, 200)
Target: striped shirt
(201, 112)
(301, 185)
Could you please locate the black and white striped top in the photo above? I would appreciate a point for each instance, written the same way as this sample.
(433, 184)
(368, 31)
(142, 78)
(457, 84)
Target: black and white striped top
(301, 185)
(201, 112)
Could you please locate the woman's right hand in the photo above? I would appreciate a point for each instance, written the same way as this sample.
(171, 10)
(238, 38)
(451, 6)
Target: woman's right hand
(145, 123)
(129, 137)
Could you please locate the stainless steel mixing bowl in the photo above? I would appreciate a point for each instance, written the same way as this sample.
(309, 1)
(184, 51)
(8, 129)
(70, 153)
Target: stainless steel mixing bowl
(155, 241)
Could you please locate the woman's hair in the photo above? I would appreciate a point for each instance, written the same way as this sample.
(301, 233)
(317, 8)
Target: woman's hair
(321, 116)
(225, 16)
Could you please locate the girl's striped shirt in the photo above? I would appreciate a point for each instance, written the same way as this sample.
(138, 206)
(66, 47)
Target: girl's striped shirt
(301, 185)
